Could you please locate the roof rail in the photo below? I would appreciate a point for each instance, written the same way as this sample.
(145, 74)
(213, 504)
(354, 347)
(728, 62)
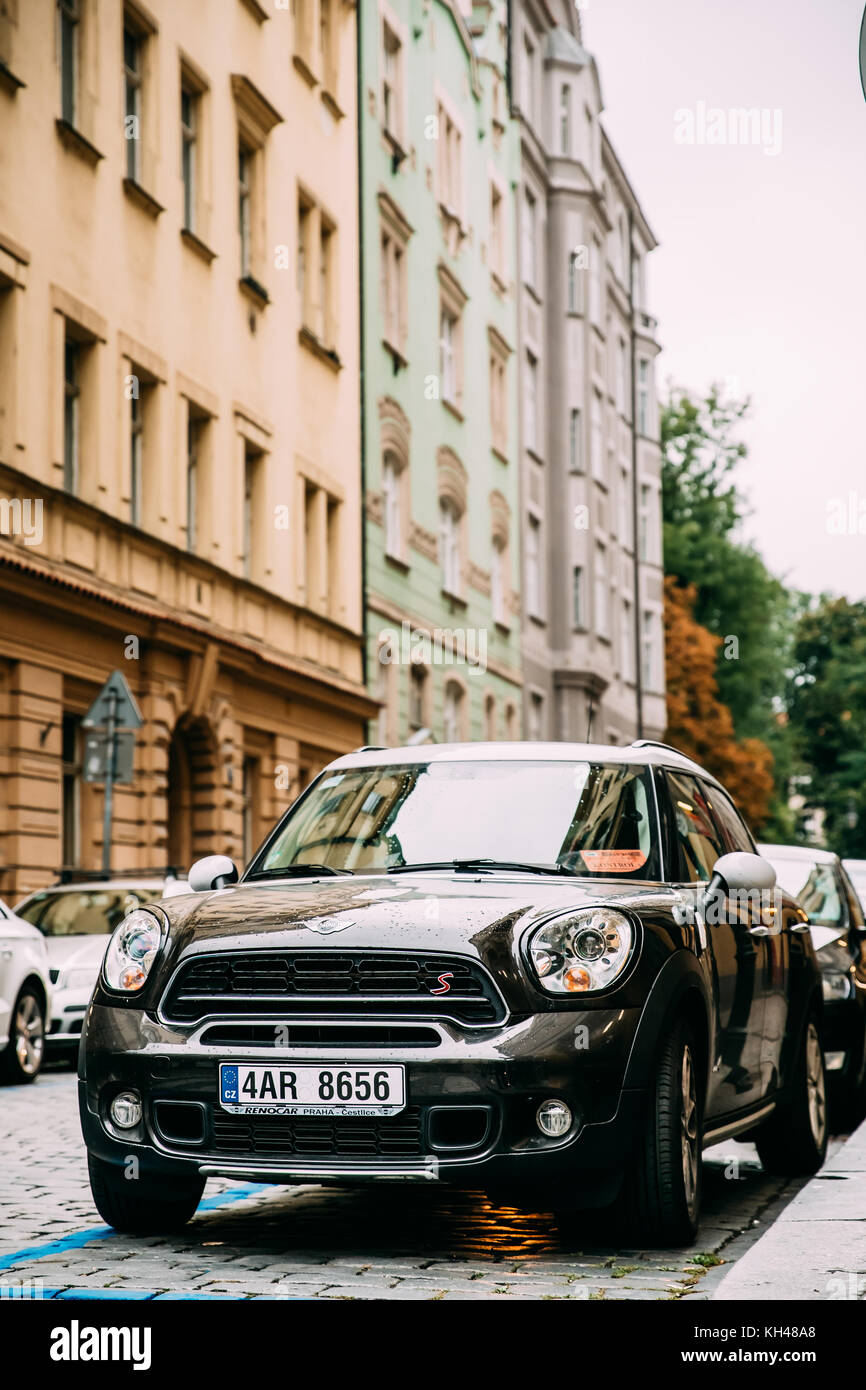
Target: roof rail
(657, 743)
(370, 748)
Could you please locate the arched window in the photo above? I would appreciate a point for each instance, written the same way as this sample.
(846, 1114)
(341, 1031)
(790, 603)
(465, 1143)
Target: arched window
(453, 712)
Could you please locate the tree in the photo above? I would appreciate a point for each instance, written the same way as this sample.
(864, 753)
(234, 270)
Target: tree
(698, 722)
(827, 708)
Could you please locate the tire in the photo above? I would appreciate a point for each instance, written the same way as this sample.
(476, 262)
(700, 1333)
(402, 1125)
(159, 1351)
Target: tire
(133, 1207)
(662, 1188)
(794, 1142)
(22, 1058)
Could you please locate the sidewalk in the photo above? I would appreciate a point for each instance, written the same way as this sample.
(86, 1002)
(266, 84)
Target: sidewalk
(816, 1248)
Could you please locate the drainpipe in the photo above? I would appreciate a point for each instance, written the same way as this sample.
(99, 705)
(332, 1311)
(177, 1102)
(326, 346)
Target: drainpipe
(361, 358)
(638, 672)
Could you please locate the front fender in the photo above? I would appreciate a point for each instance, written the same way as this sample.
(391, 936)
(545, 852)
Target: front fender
(680, 986)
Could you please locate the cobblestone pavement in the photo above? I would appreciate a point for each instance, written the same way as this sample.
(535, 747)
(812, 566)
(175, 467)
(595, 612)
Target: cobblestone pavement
(314, 1242)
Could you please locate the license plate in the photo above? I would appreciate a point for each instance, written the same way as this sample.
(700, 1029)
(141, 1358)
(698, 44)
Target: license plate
(284, 1089)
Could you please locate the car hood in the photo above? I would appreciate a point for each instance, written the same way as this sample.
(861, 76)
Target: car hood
(70, 952)
(483, 915)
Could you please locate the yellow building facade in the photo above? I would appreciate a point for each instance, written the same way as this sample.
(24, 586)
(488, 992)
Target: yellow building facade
(179, 418)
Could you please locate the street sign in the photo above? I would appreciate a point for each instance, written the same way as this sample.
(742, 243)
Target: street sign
(97, 752)
(125, 711)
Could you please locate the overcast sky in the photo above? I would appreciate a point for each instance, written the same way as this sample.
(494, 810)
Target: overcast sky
(760, 277)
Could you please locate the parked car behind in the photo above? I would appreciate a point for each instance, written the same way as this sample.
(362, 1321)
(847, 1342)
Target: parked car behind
(817, 878)
(479, 964)
(856, 871)
(25, 998)
(76, 920)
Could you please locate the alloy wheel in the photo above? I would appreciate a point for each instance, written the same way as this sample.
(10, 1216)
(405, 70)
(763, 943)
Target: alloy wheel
(816, 1085)
(689, 1129)
(29, 1035)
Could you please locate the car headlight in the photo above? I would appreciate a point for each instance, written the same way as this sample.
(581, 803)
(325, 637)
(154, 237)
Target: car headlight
(79, 978)
(132, 950)
(581, 951)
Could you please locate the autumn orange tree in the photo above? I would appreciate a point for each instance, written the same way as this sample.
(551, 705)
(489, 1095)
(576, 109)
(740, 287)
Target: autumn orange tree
(698, 723)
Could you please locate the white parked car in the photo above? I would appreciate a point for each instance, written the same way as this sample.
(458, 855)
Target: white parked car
(25, 997)
(75, 921)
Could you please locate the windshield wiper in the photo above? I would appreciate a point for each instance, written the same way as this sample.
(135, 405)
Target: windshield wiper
(469, 866)
(297, 871)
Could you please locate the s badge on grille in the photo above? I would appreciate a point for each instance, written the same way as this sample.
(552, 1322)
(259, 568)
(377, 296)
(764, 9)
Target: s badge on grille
(326, 925)
(443, 981)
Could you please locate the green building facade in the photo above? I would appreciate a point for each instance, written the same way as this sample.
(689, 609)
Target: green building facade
(440, 164)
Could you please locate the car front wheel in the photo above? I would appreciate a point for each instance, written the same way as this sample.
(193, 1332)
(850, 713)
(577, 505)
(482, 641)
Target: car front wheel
(21, 1059)
(133, 1206)
(662, 1188)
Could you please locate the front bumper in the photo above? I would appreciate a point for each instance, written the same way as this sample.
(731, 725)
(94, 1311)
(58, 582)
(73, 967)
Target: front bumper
(481, 1087)
(68, 1008)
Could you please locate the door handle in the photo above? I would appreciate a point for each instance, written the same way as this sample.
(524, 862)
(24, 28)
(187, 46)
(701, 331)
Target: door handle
(760, 931)
(799, 926)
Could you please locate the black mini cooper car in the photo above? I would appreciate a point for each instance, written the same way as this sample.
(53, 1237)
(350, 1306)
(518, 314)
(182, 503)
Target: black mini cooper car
(555, 970)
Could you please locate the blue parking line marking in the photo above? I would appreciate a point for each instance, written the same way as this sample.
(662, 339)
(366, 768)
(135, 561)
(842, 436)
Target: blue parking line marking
(77, 1239)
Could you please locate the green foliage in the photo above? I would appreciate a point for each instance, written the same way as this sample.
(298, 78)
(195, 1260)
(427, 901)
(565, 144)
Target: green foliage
(827, 703)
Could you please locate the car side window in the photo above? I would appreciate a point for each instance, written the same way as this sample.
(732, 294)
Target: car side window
(855, 911)
(733, 828)
(700, 841)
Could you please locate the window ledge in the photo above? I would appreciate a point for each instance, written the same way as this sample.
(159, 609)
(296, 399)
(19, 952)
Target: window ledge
(396, 148)
(140, 196)
(307, 338)
(302, 66)
(201, 249)
(456, 600)
(535, 455)
(502, 627)
(73, 140)
(499, 284)
(329, 101)
(454, 409)
(499, 453)
(397, 358)
(8, 81)
(250, 287)
(397, 562)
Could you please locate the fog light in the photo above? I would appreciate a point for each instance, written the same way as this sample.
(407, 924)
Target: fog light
(553, 1118)
(125, 1110)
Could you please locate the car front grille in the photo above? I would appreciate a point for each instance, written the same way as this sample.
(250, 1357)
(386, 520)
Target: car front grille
(300, 1136)
(332, 984)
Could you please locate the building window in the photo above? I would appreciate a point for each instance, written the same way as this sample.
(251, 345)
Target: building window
(498, 581)
(533, 566)
(450, 162)
(71, 765)
(245, 199)
(490, 718)
(578, 599)
(529, 239)
(511, 728)
(449, 354)
(70, 55)
(327, 324)
(449, 546)
(536, 716)
(394, 281)
(136, 459)
(392, 83)
(643, 396)
(498, 398)
(528, 82)
(251, 544)
(392, 488)
(643, 523)
(133, 48)
(305, 218)
(575, 441)
(453, 713)
(575, 298)
(602, 593)
(649, 651)
(596, 442)
(497, 233)
(72, 413)
(624, 523)
(565, 119)
(531, 396)
(626, 642)
(417, 697)
(595, 268)
(195, 428)
(326, 44)
(621, 376)
(190, 107)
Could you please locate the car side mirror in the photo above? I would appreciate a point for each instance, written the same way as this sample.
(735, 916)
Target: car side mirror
(214, 871)
(741, 872)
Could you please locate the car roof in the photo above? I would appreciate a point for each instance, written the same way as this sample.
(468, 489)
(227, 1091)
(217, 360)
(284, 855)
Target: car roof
(641, 753)
(818, 856)
(855, 865)
(94, 885)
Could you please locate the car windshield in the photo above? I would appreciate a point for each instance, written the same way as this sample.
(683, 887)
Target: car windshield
(814, 885)
(85, 911)
(581, 818)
